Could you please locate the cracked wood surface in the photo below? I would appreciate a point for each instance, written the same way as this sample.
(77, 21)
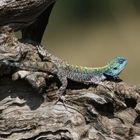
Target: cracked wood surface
(28, 110)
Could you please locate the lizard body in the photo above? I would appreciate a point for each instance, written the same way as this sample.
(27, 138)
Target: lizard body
(65, 71)
(89, 75)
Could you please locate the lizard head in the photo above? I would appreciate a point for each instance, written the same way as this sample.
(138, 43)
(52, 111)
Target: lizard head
(115, 66)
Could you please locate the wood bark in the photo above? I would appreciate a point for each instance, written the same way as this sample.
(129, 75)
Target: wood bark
(21, 13)
(89, 112)
(28, 108)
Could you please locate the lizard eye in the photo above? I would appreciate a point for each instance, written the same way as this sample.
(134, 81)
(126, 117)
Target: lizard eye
(115, 68)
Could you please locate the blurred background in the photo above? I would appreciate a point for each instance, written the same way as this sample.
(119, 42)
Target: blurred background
(91, 32)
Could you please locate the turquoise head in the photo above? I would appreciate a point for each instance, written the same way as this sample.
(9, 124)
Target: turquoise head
(115, 66)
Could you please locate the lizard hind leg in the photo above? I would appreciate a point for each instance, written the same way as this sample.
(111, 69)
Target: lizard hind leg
(62, 88)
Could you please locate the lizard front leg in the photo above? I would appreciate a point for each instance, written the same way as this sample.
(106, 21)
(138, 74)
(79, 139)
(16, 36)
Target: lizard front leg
(98, 80)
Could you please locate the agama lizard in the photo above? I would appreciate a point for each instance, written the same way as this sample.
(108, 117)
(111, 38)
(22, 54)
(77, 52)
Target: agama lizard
(85, 75)
(66, 71)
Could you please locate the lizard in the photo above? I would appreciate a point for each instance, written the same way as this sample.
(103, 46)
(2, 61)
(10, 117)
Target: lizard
(86, 75)
(65, 71)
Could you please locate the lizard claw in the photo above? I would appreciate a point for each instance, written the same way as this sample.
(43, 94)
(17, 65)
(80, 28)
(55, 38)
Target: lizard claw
(61, 99)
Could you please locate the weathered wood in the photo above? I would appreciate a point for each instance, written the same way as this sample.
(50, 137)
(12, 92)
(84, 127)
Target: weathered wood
(89, 112)
(36, 30)
(20, 13)
(28, 109)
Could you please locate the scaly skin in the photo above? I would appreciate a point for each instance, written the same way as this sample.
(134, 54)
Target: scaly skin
(66, 71)
(89, 75)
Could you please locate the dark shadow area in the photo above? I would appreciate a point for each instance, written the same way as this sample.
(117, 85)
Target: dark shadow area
(20, 89)
(137, 120)
(77, 85)
(108, 107)
(71, 84)
(130, 102)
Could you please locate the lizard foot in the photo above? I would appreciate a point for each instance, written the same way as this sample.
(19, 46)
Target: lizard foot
(61, 99)
(105, 85)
